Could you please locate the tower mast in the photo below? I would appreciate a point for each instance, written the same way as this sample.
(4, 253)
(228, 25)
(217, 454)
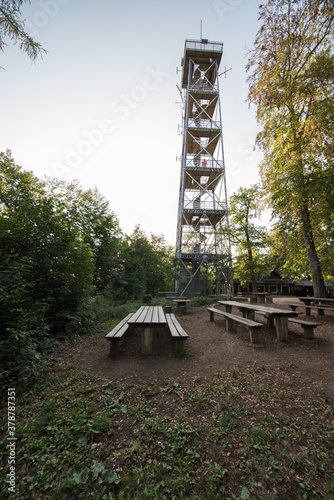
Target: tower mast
(202, 243)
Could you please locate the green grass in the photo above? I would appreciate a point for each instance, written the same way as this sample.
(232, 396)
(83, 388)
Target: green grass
(242, 434)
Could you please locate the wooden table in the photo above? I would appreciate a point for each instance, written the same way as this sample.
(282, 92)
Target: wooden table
(261, 297)
(314, 301)
(248, 310)
(181, 303)
(147, 318)
(317, 300)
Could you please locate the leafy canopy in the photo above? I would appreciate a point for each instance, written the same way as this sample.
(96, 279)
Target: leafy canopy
(12, 27)
(292, 84)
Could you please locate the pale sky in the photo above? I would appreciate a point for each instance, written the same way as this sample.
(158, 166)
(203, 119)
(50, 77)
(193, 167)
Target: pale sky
(102, 106)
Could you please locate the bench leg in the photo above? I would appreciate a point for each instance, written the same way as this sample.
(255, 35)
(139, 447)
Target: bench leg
(254, 335)
(270, 322)
(308, 332)
(229, 325)
(282, 328)
(249, 315)
(321, 312)
(308, 311)
(113, 347)
(179, 345)
(146, 341)
(212, 316)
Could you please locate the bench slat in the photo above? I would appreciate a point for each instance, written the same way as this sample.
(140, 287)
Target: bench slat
(174, 326)
(306, 323)
(233, 317)
(177, 332)
(120, 328)
(252, 325)
(325, 307)
(307, 326)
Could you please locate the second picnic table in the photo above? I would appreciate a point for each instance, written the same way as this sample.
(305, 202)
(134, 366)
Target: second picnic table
(181, 303)
(318, 303)
(248, 310)
(148, 317)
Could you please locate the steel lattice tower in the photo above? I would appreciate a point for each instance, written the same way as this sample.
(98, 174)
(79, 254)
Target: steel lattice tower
(203, 243)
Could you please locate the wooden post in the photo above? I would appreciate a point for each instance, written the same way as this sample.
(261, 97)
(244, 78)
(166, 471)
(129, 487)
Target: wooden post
(254, 335)
(308, 332)
(146, 340)
(212, 316)
(308, 310)
(229, 324)
(282, 328)
(250, 314)
(178, 345)
(270, 321)
(113, 347)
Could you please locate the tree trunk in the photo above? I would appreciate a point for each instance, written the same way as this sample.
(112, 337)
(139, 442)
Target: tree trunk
(317, 279)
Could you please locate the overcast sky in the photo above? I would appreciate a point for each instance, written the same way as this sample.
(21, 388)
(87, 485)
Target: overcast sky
(102, 106)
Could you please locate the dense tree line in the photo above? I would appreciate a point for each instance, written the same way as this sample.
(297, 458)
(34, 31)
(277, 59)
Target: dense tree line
(60, 246)
(292, 84)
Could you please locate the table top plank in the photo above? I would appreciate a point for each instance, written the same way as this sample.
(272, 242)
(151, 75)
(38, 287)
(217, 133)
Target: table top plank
(137, 314)
(270, 311)
(149, 316)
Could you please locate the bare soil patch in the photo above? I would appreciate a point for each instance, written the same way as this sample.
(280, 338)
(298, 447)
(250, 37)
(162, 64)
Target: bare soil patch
(211, 348)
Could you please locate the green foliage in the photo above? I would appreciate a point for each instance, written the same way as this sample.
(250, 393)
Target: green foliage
(147, 265)
(12, 27)
(88, 213)
(45, 267)
(292, 85)
(59, 247)
(234, 435)
(251, 241)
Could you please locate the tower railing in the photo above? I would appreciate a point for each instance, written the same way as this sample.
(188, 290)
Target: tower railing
(201, 45)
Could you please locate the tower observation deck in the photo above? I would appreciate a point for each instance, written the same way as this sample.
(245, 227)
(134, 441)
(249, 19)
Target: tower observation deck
(202, 241)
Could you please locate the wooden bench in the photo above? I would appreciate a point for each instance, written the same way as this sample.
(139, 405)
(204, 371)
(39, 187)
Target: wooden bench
(321, 309)
(253, 326)
(176, 331)
(307, 325)
(117, 333)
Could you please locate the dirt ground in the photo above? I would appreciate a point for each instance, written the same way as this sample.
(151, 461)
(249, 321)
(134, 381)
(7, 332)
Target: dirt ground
(211, 348)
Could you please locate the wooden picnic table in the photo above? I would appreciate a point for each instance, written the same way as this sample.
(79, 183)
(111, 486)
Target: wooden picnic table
(181, 303)
(317, 300)
(147, 318)
(319, 303)
(261, 297)
(248, 310)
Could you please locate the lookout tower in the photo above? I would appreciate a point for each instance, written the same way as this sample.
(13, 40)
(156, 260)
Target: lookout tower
(202, 242)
